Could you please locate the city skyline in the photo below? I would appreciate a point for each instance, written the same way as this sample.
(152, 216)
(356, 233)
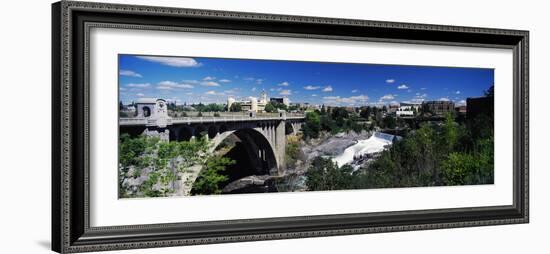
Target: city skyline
(213, 80)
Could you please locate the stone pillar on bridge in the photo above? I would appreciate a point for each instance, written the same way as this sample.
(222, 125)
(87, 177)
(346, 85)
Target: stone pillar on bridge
(280, 146)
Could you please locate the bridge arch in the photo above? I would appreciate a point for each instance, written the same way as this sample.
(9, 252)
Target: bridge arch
(200, 131)
(212, 131)
(289, 128)
(185, 133)
(223, 129)
(259, 151)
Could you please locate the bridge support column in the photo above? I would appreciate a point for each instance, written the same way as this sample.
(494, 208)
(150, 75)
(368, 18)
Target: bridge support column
(280, 146)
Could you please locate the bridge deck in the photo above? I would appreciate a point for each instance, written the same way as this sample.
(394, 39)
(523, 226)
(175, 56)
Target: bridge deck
(207, 119)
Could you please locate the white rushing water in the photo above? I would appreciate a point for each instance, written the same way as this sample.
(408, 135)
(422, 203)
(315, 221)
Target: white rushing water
(373, 144)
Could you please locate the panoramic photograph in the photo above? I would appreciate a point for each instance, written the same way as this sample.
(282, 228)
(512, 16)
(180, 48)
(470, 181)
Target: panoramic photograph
(191, 126)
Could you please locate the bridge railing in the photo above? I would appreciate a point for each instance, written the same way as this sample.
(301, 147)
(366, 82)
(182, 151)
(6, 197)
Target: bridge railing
(210, 117)
(231, 114)
(132, 121)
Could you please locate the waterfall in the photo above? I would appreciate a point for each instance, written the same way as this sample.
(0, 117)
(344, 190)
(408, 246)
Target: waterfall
(376, 143)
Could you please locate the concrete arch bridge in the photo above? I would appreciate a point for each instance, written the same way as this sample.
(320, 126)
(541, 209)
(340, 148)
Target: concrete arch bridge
(263, 136)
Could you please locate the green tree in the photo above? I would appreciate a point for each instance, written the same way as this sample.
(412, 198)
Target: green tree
(457, 168)
(211, 176)
(450, 133)
(270, 108)
(163, 159)
(490, 92)
(235, 107)
(365, 112)
(323, 174)
(312, 125)
(292, 151)
(323, 109)
(130, 149)
(389, 122)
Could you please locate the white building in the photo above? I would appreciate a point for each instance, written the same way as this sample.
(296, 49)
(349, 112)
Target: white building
(407, 109)
(250, 104)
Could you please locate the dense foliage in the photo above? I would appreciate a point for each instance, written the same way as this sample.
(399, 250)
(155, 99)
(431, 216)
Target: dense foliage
(211, 176)
(158, 161)
(235, 107)
(323, 174)
(435, 154)
(312, 125)
(274, 107)
(292, 150)
(212, 107)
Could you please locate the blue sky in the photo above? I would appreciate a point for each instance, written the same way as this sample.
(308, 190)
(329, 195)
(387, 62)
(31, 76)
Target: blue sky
(212, 80)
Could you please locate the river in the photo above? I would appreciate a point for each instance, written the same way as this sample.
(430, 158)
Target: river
(374, 144)
(343, 148)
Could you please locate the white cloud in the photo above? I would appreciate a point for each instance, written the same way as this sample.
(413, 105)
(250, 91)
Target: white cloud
(207, 78)
(348, 101)
(165, 88)
(390, 81)
(403, 86)
(354, 91)
(285, 92)
(310, 87)
(140, 94)
(122, 89)
(209, 83)
(174, 99)
(387, 97)
(444, 99)
(139, 85)
(284, 84)
(172, 61)
(211, 93)
(232, 91)
(190, 81)
(258, 81)
(130, 73)
(253, 89)
(327, 89)
(422, 88)
(224, 80)
(169, 85)
(314, 95)
(461, 103)
(419, 98)
(457, 92)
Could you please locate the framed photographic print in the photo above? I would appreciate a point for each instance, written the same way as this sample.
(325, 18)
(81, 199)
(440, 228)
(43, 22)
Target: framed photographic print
(181, 126)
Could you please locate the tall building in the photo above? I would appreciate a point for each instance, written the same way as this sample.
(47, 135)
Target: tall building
(438, 108)
(250, 104)
(480, 106)
(393, 108)
(263, 97)
(282, 100)
(230, 102)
